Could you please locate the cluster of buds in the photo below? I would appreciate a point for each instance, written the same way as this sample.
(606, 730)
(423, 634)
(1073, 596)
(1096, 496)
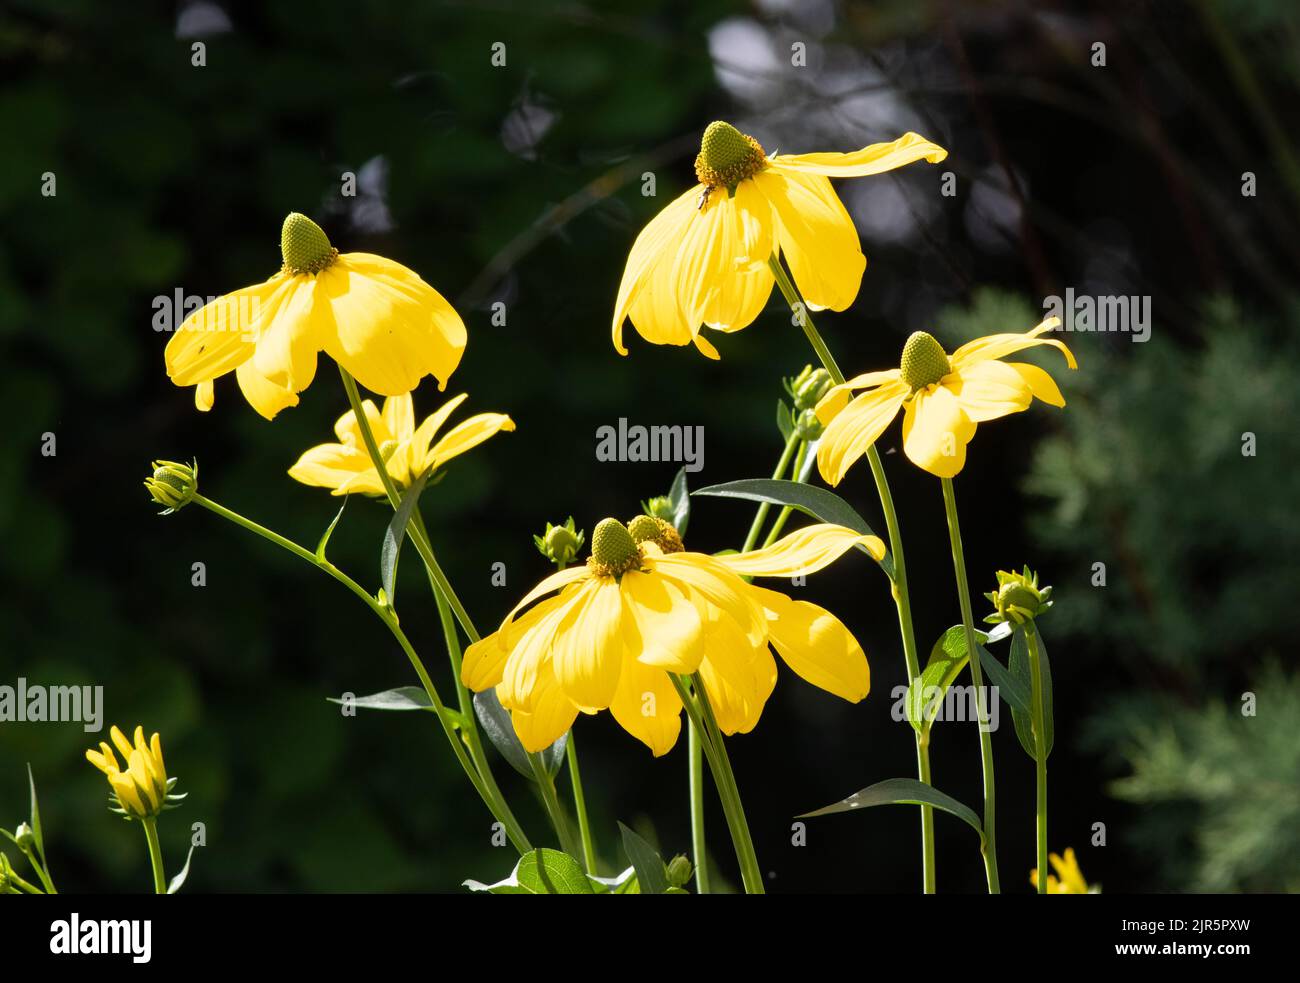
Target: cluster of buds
(1018, 599)
(560, 544)
(806, 390)
(172, 485)
(660, 507)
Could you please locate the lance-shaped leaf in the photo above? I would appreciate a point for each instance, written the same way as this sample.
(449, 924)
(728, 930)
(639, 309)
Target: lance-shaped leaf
(496, 723)
(902, 791)
(178, 881)
(680, 497)
(651, 872)
(1021, 670)
(401, 698)
(329, 531)
(394, 534)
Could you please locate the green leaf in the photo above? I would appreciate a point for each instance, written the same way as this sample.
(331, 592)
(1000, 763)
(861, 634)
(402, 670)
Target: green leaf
(496, 723)
(821, 504)
(320, 547)
(680, 497)
(624, 883)
(947, 659)
(651, 872)
(402, 698)
(394, 534)
(1020, 669)
(178, 881)
(541, 871)
(36, 816)
(784, 421)
(895, 791)
(1009, 687)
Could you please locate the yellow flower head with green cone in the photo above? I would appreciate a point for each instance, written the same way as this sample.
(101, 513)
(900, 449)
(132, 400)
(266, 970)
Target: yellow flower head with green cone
(1068, 878)
(408, 451)
(142, 788)
(943, 397)
(703, 260)
(374, 317)
(641, 608)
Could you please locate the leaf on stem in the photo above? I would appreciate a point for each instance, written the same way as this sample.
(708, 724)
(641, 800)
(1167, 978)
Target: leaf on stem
(902, 791)
(401, 698)
(1021, 670)
(178, 881)
(541, 871)
(499, 729)
(394, 534)
(329, 531)
(680, 497)
(651, 871)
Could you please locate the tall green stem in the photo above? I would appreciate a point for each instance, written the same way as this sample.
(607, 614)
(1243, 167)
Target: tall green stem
(701, 716)
(695, 755)
(755, 527)
(580, 806)
(386, 615)
(902, 600)
(155, 854)
(546, 787)
(1040, 747)
(977, 676)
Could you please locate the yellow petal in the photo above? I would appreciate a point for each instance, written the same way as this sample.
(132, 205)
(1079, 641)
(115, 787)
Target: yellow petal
(1042, 385)
(468, 435)
(390, 329)
(399, 416)
(143, 781)
(128, 794)
(706, 257)
(485, 660)
(856, 428)
(587, 652)
(709, 584)
(816, 645)
(155, 752)
(803, 551)
(989, 390)
(816, 236)
(744, 279)
(428, 429)
(643, 287)
(219, 336)
(555, 581)
(551, 716)
(936, 432)
(738, 675)
(262, 394)
(203, 396)
(647, 706)
(123, 745)
(661, 625)
(331, 465)
(999, 345)
(874, 159)
(289, 335)
(530, 657)
(103, 760)
(837, 397)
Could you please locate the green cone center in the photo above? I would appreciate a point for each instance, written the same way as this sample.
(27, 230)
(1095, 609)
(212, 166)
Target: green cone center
(613, 550)
(304, 246)
(924, 362)
(647, 528)
(727, 156)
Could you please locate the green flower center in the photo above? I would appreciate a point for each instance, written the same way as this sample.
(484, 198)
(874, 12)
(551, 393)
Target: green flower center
(727, 156)
(924, 362)
(304, 245)
(613, 550)
(647, 528)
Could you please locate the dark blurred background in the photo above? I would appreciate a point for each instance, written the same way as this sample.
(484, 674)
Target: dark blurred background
(522, 184)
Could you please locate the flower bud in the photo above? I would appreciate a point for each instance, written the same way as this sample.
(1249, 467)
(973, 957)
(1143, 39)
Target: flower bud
(24, 837)
(172, 485)
(808, 387)
(660, 507)
(679, 871)
(1018, 599)
(560, 544)
(613, 550)
(807, 426)
(646, 528)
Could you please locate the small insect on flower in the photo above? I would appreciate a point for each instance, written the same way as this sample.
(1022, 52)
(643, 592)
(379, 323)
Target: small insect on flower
(703, 260)
(374, 317)
(643, 607)
(943, 398)
(142, 790)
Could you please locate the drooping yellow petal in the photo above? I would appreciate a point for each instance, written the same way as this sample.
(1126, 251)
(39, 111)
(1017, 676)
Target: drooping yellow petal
(857, 427)
(531, 655)
(587, 651)
(718, 246)
(936, 431)
(804, 551)
(703, 577)
(816, 645)
(738, 675)
(221, 335)
(816, 236)
(332, 466)
(1042, 385)
(551, 716)
(874, 159)
(468, 435)
(555, 581)
(262, 394)
(290, 334)
(399, 416)
(644, 292)
(988, 390)
(203, 396)
(647, 706)
(390, 327)
(999, 345)
(485, 660)
(837, 397)
(661, 625)
(744, 280)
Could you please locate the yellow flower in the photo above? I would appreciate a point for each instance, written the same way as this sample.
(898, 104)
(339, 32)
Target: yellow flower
(373, 316)
(142, 789)
(1068, 879)
(638, 611)
(408, 452)
(703, 260)
(942, 397)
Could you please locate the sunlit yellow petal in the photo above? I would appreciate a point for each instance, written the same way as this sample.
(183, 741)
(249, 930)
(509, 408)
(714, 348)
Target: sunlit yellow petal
(219, 336)
(745, 280)
(1000, 345)
(399, 416)
(661, 625)
(857, 427)
(331, 465)
(289, 336)
(484, 661)
(837, 397)
(262, 394)
(105, 762)
(587, 651)
(124, 747)
(989, 390)
(876, 158)
(816, 645)
(738, 675)
(646, 705)
(467, 435)
(936, 432)
(203, 396)
(1042, 385)
(554, 581)
(804, 551)
(531, 654)
(703, 577)
(139, 771)
(128, 794)
(551, 716)
(816, 236)
(644, 286)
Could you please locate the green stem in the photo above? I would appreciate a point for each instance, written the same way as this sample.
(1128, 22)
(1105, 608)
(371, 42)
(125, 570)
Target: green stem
(977, 676)
(701, 716)
(14, 879)
(155, 854)
(546, 786)
(902, 599)
(40, 871)
(386, 615)
(784, 517)
(580, 806)
(1040, 747)
(755, 527)
(698, 848)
